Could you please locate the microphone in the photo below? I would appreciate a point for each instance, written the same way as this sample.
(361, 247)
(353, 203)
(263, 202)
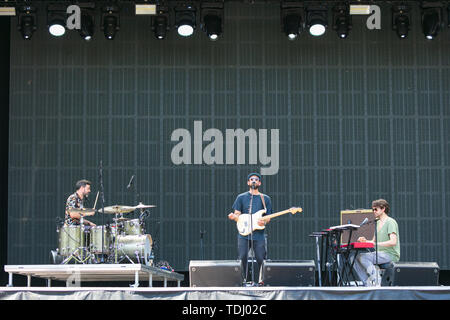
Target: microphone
(365, 221)
(131, 181)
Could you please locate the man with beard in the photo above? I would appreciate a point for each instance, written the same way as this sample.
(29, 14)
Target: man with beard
(249, 203)
(76, 201)
(388, 244)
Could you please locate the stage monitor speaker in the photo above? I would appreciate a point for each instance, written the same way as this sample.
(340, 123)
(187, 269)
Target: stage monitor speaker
(289, 273)
(411, 274)
(357, 217)
(215, 273)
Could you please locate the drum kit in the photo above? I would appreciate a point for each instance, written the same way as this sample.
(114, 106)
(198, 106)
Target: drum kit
(123, 241)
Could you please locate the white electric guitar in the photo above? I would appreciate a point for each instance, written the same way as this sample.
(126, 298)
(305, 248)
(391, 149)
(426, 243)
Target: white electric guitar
(247, 224)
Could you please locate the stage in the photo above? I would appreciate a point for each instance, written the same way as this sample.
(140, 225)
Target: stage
(140, 279)
(226, 293)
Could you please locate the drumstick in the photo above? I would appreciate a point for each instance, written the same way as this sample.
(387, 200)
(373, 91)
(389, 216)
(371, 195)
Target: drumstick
(96, 198)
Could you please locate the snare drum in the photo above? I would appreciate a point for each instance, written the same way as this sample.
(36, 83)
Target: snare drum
(136, 247)
(71, 238)
(116, 228)
(133, 227)
(96, 240)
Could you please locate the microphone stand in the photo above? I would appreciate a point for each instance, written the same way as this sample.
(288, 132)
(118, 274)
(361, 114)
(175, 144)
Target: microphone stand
(102, 198)
(251, 244)
(376, 248)
(202, 233)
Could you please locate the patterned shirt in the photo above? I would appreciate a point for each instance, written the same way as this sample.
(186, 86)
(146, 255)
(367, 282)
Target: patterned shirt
(74, 201)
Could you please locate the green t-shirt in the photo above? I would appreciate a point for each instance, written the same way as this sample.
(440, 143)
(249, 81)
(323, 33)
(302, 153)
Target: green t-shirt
(390, 226)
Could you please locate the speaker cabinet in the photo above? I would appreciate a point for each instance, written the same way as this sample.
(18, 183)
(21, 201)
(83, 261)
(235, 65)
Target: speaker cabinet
(357, 217)
(411, 274)
(288, 273)
(215, 273)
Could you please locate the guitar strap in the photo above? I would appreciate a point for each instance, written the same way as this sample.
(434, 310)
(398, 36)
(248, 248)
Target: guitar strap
(263, 202)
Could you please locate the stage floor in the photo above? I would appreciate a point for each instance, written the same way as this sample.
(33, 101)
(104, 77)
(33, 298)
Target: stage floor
(225, 293)
(75, 277)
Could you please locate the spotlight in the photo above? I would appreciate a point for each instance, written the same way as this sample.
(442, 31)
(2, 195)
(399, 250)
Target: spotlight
(56, 21)
(26, 21)
(317, 20)
(110, 23)
(160, 23)
(342, 21)
(87, 26)
(431, 21)
(291, 19)
(185, 17)
(211, 18)
(400, 20)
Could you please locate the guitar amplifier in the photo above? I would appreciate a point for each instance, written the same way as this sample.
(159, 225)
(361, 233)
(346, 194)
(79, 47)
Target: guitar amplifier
(411, 274)
(215, 273)
(357, 217)
(289, 273)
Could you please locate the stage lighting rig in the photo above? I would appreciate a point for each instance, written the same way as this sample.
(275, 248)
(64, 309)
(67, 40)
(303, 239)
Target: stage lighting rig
(110, 22)
(316, 19)
(401, 19)
(291, 19)
(342, 21)
(211, 19)
(185, 19)
(26, 21)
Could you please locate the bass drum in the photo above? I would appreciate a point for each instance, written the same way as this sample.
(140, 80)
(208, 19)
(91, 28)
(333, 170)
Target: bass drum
(137, 248)
(96, 240)
(71, 238)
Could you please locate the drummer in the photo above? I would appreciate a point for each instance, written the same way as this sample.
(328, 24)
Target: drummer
(76, 201)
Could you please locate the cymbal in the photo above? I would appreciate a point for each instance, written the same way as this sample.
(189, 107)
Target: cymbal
(121, 219)
(118, 209)
(144, 206)
(83, 211)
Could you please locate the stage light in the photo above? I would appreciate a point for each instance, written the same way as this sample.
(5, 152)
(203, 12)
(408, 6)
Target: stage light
(291, 19)
(342, 21)
(211, 19)
(160, 24)
(110, 23)
(185, 17)
(213, 26)
(292, 26)
(431, 21)
(87, 26)
(56, 21)
(26, 21)
(316, 20)
(400, 20)
(145, 9)
(7, 11)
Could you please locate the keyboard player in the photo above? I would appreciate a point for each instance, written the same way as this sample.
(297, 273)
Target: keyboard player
(388, 245)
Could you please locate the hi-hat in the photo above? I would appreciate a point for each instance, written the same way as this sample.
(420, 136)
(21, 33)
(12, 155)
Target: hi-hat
(117, 209)
(121, 219)
(82, 211)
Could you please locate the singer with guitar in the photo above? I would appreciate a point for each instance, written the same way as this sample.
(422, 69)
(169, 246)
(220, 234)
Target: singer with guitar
(250, 203)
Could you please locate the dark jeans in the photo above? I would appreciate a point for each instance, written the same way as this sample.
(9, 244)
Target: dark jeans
(259, 249)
